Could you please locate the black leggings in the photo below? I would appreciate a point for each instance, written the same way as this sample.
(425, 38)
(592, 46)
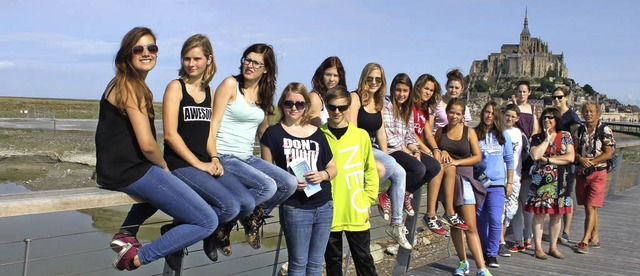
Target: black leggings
(420, 171)
(358, 244)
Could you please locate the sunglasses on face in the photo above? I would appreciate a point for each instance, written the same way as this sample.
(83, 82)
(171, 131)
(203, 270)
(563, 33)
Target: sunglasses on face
(548, 117)
(372, 79)
(139, 49)
(341, 108)
(299, 105)
(559, 97)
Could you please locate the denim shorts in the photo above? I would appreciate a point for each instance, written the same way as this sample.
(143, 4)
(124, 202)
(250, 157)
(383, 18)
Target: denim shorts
(467, 193)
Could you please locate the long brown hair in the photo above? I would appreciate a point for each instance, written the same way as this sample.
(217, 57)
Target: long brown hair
(378, 96)
(128, 79)
(267, 82)
(317, 81)
(402, 111)
(435, 98)
(482, 128)
(202, 41)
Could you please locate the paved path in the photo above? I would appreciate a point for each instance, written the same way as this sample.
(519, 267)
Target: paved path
(619, 255)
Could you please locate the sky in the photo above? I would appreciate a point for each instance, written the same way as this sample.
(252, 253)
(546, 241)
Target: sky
(66, 48)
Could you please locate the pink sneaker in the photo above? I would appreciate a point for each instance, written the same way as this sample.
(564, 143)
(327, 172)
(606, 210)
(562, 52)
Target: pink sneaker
(120, 239)
(124, 260)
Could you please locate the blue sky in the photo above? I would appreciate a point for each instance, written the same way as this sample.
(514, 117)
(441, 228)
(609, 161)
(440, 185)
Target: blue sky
(65, 49)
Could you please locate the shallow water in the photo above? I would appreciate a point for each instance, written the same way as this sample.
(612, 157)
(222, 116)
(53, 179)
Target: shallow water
(88, 253)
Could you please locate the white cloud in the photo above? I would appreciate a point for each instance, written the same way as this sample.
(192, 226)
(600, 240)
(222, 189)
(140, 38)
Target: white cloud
(4, 64)
(78, 45)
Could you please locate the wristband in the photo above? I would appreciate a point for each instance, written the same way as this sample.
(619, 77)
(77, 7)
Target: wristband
(215, 157)
(328, 175)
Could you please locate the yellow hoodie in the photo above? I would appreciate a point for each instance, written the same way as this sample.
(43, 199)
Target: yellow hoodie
(355, 187)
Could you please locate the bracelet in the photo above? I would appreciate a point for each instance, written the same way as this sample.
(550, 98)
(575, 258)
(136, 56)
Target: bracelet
(509, 183)
(328, 175)
(215, 157)
(436, 149)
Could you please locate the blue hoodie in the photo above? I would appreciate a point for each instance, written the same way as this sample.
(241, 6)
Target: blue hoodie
(494, 157)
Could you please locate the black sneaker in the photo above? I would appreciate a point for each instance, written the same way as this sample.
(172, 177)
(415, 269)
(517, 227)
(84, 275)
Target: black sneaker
(504, 250)
(209, 247)
(174, 260)
(492, 262)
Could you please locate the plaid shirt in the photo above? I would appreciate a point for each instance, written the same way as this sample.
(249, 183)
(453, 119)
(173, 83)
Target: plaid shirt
(399, 134)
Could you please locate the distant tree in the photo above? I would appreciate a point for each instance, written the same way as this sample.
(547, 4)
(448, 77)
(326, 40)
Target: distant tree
(553, 73)
(508, 93)
(589, 90)
(567, 82)
(481, 86)
(547, 86)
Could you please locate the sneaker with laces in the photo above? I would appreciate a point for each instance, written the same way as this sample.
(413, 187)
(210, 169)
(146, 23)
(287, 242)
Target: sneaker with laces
(582, 248)
(504, 250)
(408, 207)
(483, 272)
(124, 259)
(527, 244)
(435, 225)
(398, 232)
(384, 206)
(492, 262)
(252, 225)
(223, 238)
(174, 260)
(517, 248)
(463, 268)
(455, 221)
(120, 239)
(564, 239)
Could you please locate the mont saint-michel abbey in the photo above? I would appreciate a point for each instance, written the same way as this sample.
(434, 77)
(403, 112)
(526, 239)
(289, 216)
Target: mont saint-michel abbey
(531, 58)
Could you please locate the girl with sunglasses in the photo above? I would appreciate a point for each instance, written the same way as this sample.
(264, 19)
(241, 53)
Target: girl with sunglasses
(306, 216)
(129, 160)
(427, 95)
(353, 189)
(328, 75)
(570, 123)
(402, 143)
(187, 123)
(553, 152)
(241, 107)
(460, 151)
(366, 112)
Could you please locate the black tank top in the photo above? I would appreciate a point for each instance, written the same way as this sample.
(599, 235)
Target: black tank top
(119, 160)
(370, 122)
(458, 149)
(194, 121)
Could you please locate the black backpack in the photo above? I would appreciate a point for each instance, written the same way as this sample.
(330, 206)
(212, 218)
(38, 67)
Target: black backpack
(612, 163)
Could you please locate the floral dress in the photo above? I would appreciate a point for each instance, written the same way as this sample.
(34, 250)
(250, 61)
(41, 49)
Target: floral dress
(547, 193)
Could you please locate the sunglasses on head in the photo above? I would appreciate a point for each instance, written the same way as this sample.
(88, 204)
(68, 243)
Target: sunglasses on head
(376, 79)
(139, 49)
(341, 108)
(559, 97)
(548, 117)
(290, 104)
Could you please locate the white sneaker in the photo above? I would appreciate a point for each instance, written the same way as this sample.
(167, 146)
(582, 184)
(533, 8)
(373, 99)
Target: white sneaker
(398, 232)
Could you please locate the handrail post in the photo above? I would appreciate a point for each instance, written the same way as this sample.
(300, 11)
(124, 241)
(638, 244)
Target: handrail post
(403, 260)
(275, 261)
(25, 264)
(616, 171)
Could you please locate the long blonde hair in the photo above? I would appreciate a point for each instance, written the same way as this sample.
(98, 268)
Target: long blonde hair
(378, 96)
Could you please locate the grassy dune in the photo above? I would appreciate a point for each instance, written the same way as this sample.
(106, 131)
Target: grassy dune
(14, 107)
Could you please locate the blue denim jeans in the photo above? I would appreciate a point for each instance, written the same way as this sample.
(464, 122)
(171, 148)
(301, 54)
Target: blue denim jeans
(212, 191)
(307, 233)
(490, 220)
(269, 184)
(397, 175)
(166, 192)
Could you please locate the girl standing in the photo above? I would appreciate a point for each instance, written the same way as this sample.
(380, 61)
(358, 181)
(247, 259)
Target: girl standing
(305, 217)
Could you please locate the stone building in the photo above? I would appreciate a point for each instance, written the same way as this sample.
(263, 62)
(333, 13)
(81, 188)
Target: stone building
(531, 59)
